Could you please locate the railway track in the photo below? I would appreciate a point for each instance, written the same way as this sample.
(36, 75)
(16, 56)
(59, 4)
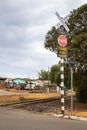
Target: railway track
(24, 103)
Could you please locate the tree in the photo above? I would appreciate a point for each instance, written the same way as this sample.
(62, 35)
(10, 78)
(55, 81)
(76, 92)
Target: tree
(51, 40)
(82, 86)
(77, 45)
(78, 49)
(43, 75)
(77, 36)
(67, 76)
(55, 74)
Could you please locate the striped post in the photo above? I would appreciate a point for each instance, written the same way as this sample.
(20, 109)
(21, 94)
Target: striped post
(62, 84)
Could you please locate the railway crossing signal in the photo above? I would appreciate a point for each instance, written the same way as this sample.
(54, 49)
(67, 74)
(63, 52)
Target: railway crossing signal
(62, 41)
(62, 21)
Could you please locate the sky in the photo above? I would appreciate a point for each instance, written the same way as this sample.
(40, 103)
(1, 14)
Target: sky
(23, 27)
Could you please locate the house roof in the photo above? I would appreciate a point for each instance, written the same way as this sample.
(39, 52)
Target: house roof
(19, 81)
(2, 78)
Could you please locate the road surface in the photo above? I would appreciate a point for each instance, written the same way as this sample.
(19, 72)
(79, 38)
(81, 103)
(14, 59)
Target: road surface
(19, 119)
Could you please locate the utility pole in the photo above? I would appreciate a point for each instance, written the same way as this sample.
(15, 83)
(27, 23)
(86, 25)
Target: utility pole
(48, 77)
(71, 91)
(72, 65)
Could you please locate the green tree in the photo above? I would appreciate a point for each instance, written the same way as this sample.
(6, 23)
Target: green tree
(78, 49)
(77, 46)
(43, 75)
(67, 76)
(82, 86)
(55, 74)
(51, 40)
(77, 36)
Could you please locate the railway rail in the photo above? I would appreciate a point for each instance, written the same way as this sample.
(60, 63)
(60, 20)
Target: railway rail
(24, 103)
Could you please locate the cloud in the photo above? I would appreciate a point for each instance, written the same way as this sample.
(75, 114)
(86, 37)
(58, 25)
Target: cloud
(23, 26)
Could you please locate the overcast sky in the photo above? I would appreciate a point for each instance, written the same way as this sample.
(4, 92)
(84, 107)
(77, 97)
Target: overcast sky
(23, 26)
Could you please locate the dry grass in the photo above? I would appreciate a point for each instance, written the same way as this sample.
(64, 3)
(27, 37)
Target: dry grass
(19, 97)
(79, 109)
(81, 114)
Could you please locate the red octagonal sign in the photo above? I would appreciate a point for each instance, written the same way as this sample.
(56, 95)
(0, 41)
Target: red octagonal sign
(62, 40)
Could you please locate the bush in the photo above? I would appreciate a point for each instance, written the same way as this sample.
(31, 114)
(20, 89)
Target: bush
(82, 94)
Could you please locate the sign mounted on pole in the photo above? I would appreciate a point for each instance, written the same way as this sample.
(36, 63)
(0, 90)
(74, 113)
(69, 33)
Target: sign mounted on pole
(62, 40)
(62, 52)
(63, 21)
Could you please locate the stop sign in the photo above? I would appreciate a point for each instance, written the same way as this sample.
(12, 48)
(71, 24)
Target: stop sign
(62, 40)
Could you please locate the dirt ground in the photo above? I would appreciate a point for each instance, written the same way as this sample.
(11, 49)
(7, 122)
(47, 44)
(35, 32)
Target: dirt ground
(55, 108)
(79, 109)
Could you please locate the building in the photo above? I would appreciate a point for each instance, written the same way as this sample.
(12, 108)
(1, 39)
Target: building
(2, 82)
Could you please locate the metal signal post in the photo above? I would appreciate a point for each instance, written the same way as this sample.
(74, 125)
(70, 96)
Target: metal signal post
(62, 85)
(62, 41)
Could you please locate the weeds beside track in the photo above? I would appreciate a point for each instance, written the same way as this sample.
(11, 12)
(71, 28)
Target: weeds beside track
(24, 103)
